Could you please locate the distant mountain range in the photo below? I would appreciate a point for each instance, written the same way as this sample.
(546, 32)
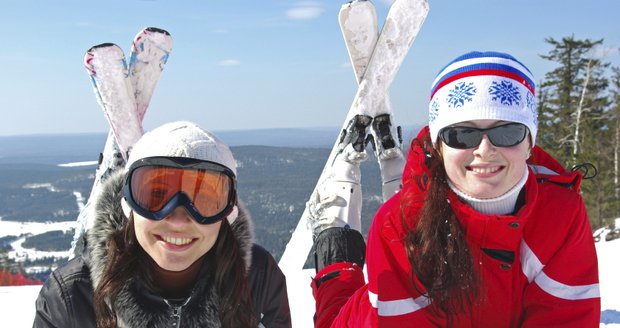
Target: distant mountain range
(83, 147)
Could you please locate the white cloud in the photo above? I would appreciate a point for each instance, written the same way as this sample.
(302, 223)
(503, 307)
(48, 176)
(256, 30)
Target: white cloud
(305, 11)
(229, 62)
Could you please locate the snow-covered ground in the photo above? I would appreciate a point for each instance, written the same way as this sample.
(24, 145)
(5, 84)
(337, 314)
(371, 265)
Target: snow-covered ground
(76, 164)
(24, 229)
(12, 228)
(17, 303)
(609, 276)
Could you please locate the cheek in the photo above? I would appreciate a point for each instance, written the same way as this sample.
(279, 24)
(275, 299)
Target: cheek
(518, 155)
(210, 233)
(454, 159)
(142, 227)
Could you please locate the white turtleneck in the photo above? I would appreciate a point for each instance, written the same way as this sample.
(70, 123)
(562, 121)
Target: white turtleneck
(502, 205)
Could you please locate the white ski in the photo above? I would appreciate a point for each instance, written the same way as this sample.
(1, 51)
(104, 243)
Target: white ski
(403, 23)
(358, 22)
(149, 53)
(110, 77)
(150, 50)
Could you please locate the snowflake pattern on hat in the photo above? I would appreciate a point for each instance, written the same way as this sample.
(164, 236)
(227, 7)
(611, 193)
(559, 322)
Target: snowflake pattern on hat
(505, 93)
(460, 93)
(531, 104)
(434, 110)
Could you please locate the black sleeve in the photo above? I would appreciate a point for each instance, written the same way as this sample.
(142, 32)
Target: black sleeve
(66, 298)
(269, 290)
(336, 245)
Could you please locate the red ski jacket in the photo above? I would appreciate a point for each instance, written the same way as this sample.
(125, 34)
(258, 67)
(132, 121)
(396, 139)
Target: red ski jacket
(538, 267)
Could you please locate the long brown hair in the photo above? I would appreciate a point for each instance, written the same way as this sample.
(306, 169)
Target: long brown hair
(127, 259)
(436, 247)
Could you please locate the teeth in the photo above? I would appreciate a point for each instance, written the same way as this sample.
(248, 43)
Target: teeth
(177, 241)
(485, 170)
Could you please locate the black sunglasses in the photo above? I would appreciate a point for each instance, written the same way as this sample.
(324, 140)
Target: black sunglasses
(464, 137)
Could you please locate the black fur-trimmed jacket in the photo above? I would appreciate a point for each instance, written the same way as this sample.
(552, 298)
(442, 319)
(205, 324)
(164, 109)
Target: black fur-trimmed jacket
(66, 299)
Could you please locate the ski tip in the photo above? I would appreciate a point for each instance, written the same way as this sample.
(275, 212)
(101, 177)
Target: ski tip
(107, 50)
(352, 3)
(103, 45)
(157, 30)
(157, 36)
(357, 8)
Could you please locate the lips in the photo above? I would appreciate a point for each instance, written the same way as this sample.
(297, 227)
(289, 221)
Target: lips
(177, 241)
(484, 170)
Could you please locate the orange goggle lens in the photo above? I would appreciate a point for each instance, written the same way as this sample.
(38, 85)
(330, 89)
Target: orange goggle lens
(152, 187)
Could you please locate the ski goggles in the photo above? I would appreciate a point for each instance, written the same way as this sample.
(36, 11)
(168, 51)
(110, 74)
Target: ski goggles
(464, 137)
(155, 186)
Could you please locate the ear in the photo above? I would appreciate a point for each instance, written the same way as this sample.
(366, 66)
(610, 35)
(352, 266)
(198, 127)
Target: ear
(126, 209)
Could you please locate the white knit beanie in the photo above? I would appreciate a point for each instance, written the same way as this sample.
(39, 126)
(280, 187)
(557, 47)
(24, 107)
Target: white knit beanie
(483, 85)
(182, 139)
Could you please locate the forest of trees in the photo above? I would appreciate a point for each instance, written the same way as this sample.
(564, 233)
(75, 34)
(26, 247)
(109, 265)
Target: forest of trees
(579, 120)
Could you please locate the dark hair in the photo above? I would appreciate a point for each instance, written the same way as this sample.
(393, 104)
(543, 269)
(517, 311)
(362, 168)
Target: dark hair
(127, 259)
(231, 281)
(436, 247)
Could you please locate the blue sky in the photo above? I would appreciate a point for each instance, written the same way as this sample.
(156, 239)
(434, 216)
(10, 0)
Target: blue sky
(258, 64)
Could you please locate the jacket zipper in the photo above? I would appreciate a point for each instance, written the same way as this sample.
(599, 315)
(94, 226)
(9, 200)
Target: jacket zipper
(177, 310)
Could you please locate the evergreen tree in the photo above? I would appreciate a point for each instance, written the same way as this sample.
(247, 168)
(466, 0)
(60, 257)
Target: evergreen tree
(614, 126)
(574, 124)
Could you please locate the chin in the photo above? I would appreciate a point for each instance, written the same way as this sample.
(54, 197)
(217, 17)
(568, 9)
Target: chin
(487, 194)
(173, 266)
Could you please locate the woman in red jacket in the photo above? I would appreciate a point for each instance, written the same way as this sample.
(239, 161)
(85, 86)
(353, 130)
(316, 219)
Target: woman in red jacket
(488, 230)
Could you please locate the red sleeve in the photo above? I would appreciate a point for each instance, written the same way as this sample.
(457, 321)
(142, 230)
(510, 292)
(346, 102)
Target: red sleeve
(332, 288)
(357, 312)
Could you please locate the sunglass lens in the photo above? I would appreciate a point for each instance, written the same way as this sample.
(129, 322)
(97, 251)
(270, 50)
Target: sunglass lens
(461, 137)
(507, 135)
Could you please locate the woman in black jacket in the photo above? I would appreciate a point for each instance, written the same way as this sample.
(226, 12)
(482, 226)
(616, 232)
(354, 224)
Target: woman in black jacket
(171, 246)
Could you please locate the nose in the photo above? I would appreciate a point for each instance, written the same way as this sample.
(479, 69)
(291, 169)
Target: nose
(179, 216)
(485, 147)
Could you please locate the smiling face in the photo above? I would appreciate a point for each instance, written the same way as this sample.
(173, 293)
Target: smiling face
(485, 171)
(177, 241)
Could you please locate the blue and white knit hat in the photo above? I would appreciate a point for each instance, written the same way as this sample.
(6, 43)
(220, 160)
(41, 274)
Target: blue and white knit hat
(483, 85)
